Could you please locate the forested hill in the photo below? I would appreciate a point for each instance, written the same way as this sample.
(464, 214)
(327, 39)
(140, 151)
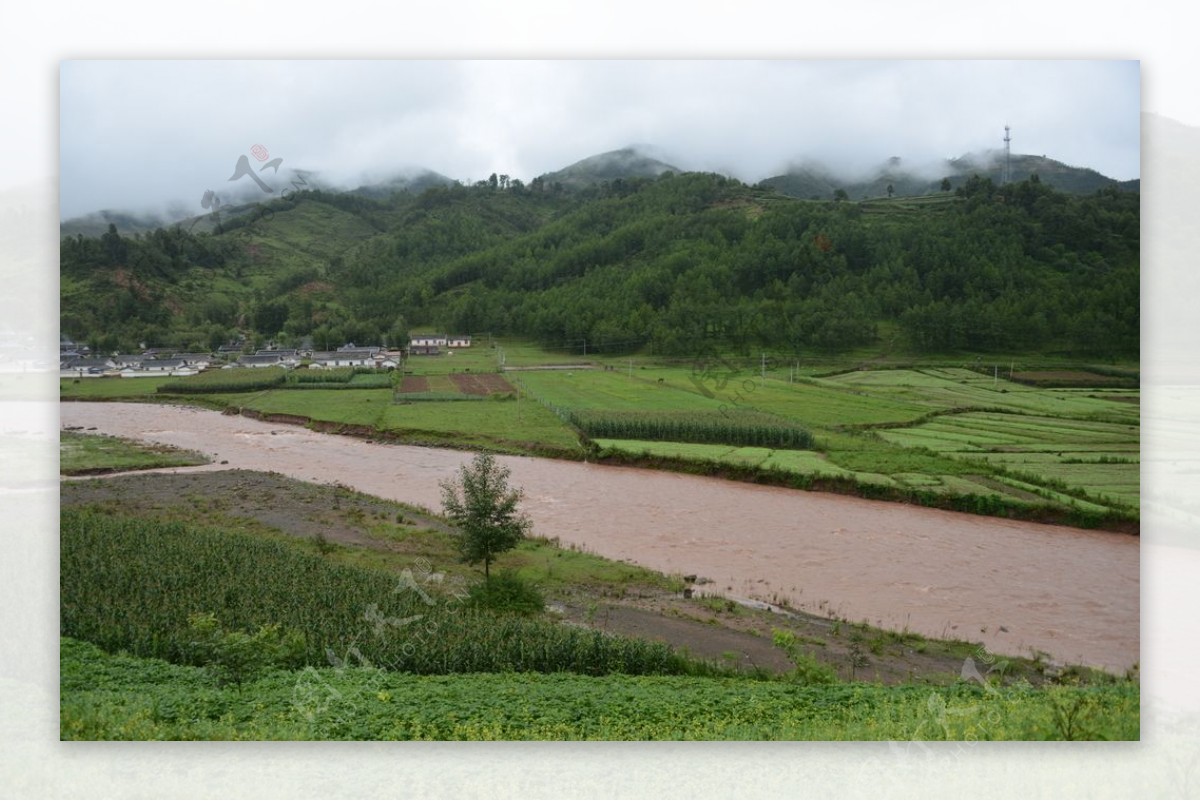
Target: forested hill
(678, 265)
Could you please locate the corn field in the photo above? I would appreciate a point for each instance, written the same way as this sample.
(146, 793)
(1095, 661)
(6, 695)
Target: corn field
(236, 379)
(130, 584)
(734, 427)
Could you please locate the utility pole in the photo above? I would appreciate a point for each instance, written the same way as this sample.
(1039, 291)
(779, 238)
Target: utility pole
(763, 371)
(631, 368)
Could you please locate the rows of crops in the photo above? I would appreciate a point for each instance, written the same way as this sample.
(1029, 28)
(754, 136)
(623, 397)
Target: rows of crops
(332, 375)
(734, 427)
(794, 461)
(958, 388)
(130, 584)
(340, 378)
(236, 379)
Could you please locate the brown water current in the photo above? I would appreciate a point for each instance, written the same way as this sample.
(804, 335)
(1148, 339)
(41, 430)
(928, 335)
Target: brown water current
(1013, 586)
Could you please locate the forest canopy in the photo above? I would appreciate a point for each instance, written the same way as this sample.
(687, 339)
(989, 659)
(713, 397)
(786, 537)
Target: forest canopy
(679, 265)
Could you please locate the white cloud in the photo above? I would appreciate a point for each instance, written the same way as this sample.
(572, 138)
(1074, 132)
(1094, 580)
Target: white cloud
(142, 134)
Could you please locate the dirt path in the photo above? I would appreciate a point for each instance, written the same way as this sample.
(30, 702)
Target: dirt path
(1014, 586)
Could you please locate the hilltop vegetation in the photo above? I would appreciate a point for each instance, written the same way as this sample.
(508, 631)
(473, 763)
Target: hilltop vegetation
(676, 265)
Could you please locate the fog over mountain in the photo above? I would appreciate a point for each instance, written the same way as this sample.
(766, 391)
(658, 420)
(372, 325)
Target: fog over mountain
(153, 136)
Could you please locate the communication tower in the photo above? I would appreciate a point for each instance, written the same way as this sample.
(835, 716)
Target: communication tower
(1007, 157)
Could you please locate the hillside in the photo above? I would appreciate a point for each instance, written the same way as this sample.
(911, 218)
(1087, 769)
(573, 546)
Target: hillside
(676, 265)
(811, 181)
(617, 164)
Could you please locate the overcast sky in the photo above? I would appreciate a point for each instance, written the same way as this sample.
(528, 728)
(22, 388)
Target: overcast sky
(148, 135)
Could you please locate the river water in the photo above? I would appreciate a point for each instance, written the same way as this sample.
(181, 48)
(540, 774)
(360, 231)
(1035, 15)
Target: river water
(1013, 586)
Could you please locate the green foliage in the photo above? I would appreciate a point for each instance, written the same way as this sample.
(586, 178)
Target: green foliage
(235, 379)
(332, 375)
(806, 670)
(507, 592)
(81, 454)
(130, 584)
(684, 265)
(236, 657)
(729, 427)
(107, 697)
(484, 509)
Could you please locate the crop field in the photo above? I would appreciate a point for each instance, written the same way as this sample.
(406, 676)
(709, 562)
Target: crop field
(130, 583)
(1097, 457)
(943, 430)
(803, 462)
(612, 390)
(359, 407)
(481, 383)
(120, 697)
(487, 423)
(957, 388)
(236, 379)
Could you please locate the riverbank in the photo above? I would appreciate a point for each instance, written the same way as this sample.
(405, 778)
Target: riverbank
(1000, 582)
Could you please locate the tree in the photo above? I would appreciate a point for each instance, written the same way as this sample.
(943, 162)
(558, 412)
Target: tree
(890, 190)
(480, 502)
(840, 195)
(945, 184)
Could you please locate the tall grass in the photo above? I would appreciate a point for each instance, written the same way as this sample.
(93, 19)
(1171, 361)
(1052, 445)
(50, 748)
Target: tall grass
(236, 379)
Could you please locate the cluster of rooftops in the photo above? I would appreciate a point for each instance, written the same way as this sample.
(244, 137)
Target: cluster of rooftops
(75, 362)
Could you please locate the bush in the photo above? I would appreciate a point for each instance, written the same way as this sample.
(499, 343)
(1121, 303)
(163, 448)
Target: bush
(236, 656)
(507, 592)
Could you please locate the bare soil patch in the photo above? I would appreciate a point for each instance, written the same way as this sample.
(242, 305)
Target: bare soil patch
(481, 383)
(414, 383)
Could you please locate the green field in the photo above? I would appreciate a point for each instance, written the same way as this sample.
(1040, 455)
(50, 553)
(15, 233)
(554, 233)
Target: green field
(942, 434)
(81, 454)
(110, 388)
(107, 697)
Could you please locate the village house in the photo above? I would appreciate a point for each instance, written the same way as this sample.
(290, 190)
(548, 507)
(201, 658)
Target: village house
(199, 361)
(344, 358)
(161, 366)
(268, 359)
(427, 340)
(85, 368)
(124, 361)
(458, 342)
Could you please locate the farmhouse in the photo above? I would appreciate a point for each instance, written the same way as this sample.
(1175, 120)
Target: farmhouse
(427, 340)
(200, 361)
(264, 360)
(160, 366)
(84, 368)
(126, 361)
(459, 342)
(344, 358)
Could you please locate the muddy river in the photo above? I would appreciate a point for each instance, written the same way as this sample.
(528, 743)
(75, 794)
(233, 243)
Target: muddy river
(1013, 586)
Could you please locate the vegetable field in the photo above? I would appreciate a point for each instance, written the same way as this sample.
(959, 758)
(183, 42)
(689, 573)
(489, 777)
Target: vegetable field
(127, 698)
